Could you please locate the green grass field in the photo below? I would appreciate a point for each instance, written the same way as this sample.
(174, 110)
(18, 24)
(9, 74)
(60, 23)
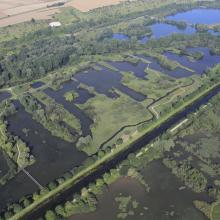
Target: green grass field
(215, 212)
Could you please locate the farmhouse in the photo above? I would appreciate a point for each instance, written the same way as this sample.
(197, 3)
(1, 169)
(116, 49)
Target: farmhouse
(55, 24)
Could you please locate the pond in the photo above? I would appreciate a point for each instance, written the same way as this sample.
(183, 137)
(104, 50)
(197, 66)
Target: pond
(36, 85)
(54, 156)
(4, 95)
(159, 30)
(163, 201)
(198, 16)
(120, 36)
(176, 73)
(137, 68)
(163, 30)
(15, 188)
(105, 81)
(199, 66)
(83, 96)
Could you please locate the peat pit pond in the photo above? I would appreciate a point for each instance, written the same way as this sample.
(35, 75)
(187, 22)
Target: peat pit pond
(137, 68)
(105, 81)
(54, 156)
(37, 85)
(176, 73)
(199, 66)
(83, 96)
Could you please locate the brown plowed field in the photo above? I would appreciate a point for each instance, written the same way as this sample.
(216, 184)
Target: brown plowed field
(86, 5)
(17, 11)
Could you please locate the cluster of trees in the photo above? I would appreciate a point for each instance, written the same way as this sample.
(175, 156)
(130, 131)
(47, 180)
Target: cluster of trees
(36, 60)
(162, 60)
(70, 96)
(126, 206)
(179, 24)
(138, 30)
(15, 148)
(17, 151)
(86, 201)
(51, 117)
(197, 55)
(191, 176)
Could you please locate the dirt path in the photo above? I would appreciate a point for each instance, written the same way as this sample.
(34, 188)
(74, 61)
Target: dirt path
(157, 115)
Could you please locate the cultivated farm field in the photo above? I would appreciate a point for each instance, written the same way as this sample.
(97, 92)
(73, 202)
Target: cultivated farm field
(85, 6)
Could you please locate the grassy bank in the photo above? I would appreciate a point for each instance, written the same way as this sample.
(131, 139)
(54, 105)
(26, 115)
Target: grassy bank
(69, 183)
(215, 211)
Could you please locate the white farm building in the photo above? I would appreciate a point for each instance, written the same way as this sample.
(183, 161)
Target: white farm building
(55, 24)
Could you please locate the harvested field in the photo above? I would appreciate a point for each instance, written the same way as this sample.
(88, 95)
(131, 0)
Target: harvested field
(38, 15)
(85, 6)
(16, 11)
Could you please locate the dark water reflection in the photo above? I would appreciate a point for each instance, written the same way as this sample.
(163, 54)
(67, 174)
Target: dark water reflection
(105, 81)
(83, 96)
(37, 85)
(199, 66)
(4, 95)
(54, 156)
(137, 69)
(176, 73)
(163, 198)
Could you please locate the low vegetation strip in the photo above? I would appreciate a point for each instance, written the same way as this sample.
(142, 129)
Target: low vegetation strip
(85, 172)
(215, 211)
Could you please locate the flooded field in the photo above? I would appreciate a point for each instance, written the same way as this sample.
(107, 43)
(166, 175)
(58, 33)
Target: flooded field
(165, 199)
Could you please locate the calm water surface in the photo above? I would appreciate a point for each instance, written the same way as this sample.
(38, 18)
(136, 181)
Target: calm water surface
(4, 95)
(198, 16)
(54, 157)
(164, 198)
(105, 81)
